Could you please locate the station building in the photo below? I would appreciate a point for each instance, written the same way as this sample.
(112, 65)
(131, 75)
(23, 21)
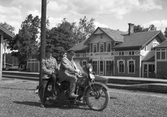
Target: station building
(118, 53)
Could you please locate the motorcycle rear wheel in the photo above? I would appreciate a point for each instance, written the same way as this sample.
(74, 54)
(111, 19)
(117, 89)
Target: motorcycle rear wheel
(46, 93)
(97, 97)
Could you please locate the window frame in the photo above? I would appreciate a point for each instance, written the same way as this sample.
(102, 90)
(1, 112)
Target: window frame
(128, 64)
(83, 62)
(118, 65)
(108, 49)
(102, 45)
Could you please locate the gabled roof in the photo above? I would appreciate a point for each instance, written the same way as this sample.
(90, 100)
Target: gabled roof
(7, 33)
(115, 35)
(138, 39)
(162, 45)
(80, 46)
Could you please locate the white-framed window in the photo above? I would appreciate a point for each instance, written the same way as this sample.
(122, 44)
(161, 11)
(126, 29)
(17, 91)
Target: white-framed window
(161, 54)
(108, 47)
(94, 48)
(94, 64)
(121, 66)
(158, 54)
(101, 66)
(84, 62)
(131, 66)
(101, 47)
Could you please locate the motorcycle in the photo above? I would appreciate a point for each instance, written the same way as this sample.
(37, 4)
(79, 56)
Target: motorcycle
(93, 94)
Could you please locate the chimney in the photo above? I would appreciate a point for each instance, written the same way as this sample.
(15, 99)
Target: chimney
(131, 28)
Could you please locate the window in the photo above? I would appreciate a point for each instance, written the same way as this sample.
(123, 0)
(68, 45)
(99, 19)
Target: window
(97, 47)
(94, 64)
(94, 48)
(84, 62)
(120, 53)
(104, 46)
(101, 47)
(91, 48)
(158, 55)
(108, 47)
(131, 66)
(121, 66)
(101, 66)
(130, 53)
(163, 54)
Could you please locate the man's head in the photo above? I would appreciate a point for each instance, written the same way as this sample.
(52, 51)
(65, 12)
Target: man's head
(70, 54)
(49, 52)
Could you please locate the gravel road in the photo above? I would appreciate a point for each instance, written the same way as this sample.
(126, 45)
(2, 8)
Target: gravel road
(17, 99)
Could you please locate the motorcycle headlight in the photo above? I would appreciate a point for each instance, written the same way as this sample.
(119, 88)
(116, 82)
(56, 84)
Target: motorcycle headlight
(90, 69)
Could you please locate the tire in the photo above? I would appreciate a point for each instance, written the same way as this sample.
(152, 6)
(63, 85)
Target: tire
(95, 92)
(45, 92)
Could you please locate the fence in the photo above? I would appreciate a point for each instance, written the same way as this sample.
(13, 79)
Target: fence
(33, 65)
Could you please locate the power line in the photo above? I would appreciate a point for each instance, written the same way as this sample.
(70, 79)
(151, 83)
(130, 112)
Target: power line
(156, 19)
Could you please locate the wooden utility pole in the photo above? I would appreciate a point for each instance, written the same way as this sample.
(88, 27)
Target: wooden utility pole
(43, 37)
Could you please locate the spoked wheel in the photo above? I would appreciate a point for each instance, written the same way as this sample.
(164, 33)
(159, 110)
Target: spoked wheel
(97, 97)
(46, 95)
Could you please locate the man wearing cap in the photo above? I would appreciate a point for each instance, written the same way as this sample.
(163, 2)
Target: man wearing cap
(49, 68)
(68, 71)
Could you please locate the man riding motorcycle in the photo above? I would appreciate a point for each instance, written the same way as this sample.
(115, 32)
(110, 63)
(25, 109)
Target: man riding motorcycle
(49, 69)
(68, 71)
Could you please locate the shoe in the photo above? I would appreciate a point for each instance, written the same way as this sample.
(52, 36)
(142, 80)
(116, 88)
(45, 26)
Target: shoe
(72, 95)
(48, 103)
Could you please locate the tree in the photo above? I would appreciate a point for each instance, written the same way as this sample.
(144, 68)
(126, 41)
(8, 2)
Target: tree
(84, 29)
(25, 42)
(60, 37)
(138, 28)
(67, 34)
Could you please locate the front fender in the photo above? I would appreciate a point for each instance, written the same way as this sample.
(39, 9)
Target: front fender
(101, 79)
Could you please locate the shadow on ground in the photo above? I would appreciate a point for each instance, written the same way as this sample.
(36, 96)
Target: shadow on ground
(57, 105)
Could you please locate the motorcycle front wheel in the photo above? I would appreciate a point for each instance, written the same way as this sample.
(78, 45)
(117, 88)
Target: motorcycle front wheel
(97, 97)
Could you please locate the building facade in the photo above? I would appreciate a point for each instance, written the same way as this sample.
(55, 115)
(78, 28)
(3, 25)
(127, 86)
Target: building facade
(161, 60)
(117, 53)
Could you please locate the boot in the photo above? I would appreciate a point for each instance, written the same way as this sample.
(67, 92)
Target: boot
(72, 89)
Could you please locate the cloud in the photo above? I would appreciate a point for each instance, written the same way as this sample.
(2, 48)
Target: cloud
(149, 5)
(160, 24)
(117, 8)
(11, 15)
(34, 13)
(54, 21)
(27, 3)
(97, 24)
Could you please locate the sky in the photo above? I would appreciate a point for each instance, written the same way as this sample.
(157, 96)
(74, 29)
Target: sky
(113, 14)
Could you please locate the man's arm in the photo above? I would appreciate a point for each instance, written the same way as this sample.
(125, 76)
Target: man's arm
(45, 70)
(67, 66)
